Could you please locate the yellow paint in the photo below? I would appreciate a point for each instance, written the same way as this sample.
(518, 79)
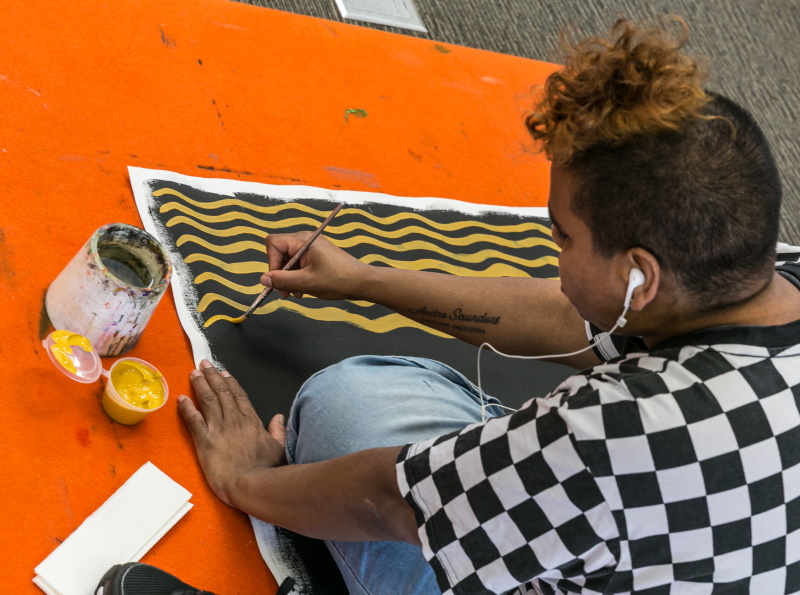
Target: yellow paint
(251, 267)
(242, 246)
(469, 240)
(499, 240)
(218, 204)
(139, 386)
(280, 223)
(243, 289)
(210, 298)
(63, 342)
(235, 231)
(232, 248)
(494, 270)
(384, 324)
(388, 220)
(367, 229)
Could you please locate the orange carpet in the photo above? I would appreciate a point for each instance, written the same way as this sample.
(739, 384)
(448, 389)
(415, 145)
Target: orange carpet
(211, 88)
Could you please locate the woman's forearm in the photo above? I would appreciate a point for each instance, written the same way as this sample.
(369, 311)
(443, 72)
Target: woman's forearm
(350, 498)
(522, 316)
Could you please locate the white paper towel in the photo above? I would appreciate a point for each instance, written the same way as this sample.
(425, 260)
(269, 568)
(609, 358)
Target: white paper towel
(134, 518)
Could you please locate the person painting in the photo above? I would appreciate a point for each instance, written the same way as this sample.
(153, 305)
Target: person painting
(670, 463)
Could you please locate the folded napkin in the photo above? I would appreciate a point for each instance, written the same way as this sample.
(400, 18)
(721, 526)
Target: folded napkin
(134, 518)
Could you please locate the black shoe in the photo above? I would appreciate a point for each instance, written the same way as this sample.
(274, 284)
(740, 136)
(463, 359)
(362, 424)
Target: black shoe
(134, 578)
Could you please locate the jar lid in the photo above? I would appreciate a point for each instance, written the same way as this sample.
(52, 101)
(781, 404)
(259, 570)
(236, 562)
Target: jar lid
(73, 355)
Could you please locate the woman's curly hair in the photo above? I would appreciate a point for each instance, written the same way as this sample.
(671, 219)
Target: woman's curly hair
(609, 91)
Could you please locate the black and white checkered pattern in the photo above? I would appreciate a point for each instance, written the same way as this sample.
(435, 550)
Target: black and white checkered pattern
(674, 471)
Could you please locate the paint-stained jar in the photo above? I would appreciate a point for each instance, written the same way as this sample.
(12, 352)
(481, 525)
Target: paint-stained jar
(109, 290)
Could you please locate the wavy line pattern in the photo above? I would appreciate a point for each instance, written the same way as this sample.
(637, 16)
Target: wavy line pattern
(423, 264)
(402, 247)
(213, 236)
(228, 203)
(338, 230)
(383, 324)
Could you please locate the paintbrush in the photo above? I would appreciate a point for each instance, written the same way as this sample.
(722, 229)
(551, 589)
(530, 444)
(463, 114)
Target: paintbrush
(289, 265)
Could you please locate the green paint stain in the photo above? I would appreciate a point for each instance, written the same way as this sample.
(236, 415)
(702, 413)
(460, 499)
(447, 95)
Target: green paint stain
(442, 49)
(356, 113)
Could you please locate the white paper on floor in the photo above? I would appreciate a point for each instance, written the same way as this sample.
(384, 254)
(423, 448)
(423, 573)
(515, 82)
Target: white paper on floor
(128, 524)
(394, 13)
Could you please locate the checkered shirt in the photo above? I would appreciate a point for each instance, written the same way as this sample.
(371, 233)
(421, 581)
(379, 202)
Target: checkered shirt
(670, 471)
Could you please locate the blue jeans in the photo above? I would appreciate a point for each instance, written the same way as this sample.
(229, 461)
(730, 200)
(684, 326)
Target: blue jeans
(371, 401)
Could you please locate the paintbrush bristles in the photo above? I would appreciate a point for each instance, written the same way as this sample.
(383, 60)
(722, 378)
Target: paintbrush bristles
(261, 297)
(294, 260)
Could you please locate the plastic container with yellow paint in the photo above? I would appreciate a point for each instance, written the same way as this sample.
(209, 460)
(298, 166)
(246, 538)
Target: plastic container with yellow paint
(135, 388)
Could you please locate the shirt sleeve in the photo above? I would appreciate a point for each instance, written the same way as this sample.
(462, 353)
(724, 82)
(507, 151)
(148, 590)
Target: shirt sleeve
(506, 502)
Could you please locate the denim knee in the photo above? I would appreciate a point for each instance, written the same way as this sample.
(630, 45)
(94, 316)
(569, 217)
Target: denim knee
(370, 401)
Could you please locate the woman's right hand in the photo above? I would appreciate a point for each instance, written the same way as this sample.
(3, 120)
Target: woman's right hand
(324, 271)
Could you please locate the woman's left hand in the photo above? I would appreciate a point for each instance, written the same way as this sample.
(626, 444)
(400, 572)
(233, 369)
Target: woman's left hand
(228, 435)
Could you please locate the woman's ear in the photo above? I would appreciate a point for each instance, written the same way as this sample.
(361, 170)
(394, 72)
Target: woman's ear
(644, 294)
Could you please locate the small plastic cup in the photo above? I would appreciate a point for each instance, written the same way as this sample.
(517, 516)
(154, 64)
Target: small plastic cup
(86, 368)
(121, 410)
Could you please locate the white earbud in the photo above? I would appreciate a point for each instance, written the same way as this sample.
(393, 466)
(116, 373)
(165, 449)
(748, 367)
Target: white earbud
(636, 279)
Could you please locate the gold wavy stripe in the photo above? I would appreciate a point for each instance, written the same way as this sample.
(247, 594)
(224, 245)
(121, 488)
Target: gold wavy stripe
(238, 230)
(469, 240)
(233, 248)
(244, 289)
(339, 229)
(520, 227)
(495, 270)
(210, 298)
(244, 245)
(223, 202)
(269, 210)
(312, 223)
(239, 216)
(474, 258)
(237, 268)
(381, 325)
(398, 233)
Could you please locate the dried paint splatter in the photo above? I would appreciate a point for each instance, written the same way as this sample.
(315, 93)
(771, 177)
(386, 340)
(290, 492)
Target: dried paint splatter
(7, 269)
(82, 435)
(167, 41)
(45, 326)
(355, 112)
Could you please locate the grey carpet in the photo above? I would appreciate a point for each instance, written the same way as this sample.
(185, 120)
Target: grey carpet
(752, 46)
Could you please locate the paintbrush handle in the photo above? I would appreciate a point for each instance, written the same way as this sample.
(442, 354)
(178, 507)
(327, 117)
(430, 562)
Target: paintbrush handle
(296, 258)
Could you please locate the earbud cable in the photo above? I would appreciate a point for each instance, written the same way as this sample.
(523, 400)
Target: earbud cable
(621, 321)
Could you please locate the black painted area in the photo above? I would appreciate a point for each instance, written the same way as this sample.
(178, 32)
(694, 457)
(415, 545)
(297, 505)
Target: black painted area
(313, 568)
(272, 355)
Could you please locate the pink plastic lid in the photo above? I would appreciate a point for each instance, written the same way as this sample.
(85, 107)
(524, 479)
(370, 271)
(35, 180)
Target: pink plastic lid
(73, 355)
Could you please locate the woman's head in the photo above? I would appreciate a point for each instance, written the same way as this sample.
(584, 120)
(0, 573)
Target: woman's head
(657, 163)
